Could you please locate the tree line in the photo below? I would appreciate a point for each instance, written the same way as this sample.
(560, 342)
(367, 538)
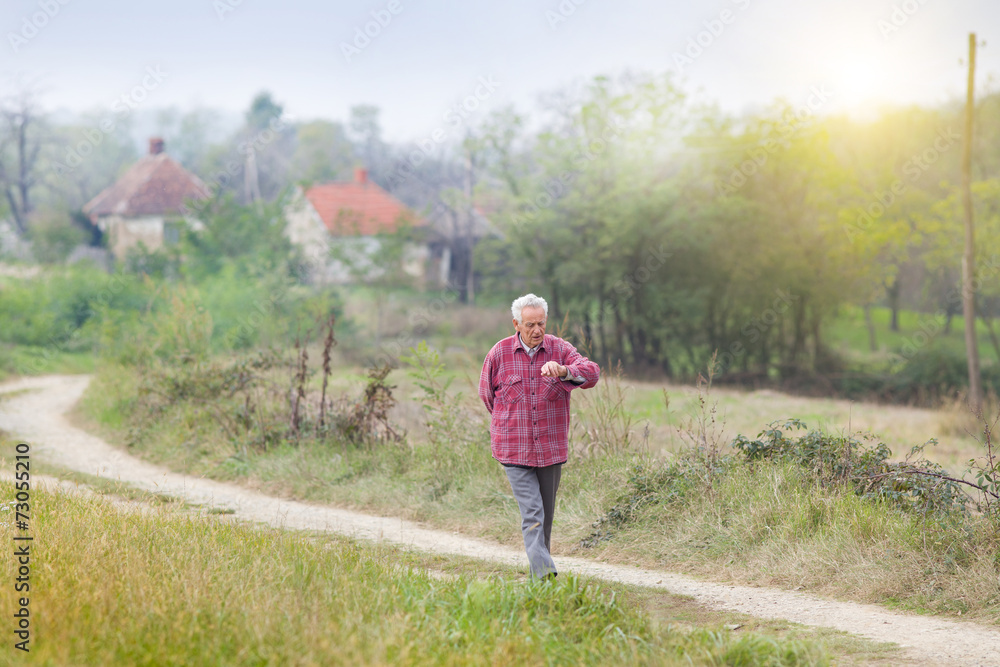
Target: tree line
(662, 231)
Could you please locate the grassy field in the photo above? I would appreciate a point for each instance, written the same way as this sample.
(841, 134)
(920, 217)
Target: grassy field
(157, 584)
(656, 424)
(771, 525)
(766, 525)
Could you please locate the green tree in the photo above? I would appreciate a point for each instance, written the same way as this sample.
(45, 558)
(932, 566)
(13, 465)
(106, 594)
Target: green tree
(250, 237)
(322, 153)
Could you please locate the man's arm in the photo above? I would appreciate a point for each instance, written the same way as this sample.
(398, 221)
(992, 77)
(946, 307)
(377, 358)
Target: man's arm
(486, 382)
(579, 367)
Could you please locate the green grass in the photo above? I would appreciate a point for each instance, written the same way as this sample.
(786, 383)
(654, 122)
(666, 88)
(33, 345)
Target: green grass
(165, 587)
(848, 332)
(34, 360)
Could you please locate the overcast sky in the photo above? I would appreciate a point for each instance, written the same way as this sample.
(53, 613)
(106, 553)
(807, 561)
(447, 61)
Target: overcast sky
(432, 54)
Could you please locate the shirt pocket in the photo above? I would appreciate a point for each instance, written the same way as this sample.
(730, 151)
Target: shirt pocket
(553, 389)
(511, 390)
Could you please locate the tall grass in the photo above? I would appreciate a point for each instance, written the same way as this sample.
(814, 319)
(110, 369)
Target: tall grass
(158, 587)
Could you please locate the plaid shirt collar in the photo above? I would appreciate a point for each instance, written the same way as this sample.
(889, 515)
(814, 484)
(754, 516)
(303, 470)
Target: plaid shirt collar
(530, 350)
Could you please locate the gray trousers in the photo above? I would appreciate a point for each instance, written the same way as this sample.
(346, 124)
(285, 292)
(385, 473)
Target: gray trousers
(535, 492)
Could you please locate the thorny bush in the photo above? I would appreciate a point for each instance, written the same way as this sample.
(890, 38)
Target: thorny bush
(914, 484)
(366, 421)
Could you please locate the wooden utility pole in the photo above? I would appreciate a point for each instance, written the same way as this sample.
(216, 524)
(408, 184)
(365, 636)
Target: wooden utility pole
(969, 258)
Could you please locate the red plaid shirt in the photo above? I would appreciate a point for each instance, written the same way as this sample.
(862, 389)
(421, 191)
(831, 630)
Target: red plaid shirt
(530, 425)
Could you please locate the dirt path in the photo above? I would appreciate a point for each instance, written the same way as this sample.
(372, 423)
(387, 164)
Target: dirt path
(36, 416)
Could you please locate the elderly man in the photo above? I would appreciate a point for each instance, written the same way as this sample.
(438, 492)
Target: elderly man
(525, 384)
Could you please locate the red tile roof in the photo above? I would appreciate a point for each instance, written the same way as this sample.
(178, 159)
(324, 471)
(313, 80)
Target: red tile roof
(154, 185)
(359, 207)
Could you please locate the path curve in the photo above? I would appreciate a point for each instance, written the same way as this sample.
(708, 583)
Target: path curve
(37, 417)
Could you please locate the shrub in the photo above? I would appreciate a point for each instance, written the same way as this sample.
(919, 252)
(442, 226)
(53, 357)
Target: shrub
(914, 484)
(64, 310)
(366, 420)
(54, 234)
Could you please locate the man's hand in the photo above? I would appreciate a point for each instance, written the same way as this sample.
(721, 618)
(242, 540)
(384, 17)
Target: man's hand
(553, 369)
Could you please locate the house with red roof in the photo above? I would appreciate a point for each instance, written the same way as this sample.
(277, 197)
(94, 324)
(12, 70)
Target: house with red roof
(349, 217)
(146, 204)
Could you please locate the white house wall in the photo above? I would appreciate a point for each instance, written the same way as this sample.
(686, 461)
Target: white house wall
(304, 228)
(125, 233)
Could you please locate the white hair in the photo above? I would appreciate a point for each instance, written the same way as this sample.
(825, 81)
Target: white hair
(527, 301)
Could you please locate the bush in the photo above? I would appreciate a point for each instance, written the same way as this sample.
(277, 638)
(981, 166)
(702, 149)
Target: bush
(64, 310)
(915, 484)
(54, 235)
(251, 237)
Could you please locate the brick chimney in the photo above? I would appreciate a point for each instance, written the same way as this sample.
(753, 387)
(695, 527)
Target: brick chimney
(361, 176)
(155, 146)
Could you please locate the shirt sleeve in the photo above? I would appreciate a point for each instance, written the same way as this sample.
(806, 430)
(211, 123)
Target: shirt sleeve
(486, 383)
(580, 367)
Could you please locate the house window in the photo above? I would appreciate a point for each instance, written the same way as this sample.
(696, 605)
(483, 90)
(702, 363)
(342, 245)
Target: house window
(171, 232)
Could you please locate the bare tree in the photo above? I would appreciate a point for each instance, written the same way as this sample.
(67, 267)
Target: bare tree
(20, 145)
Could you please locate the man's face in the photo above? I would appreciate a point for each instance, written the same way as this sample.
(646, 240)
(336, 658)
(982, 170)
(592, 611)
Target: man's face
(532, 325)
